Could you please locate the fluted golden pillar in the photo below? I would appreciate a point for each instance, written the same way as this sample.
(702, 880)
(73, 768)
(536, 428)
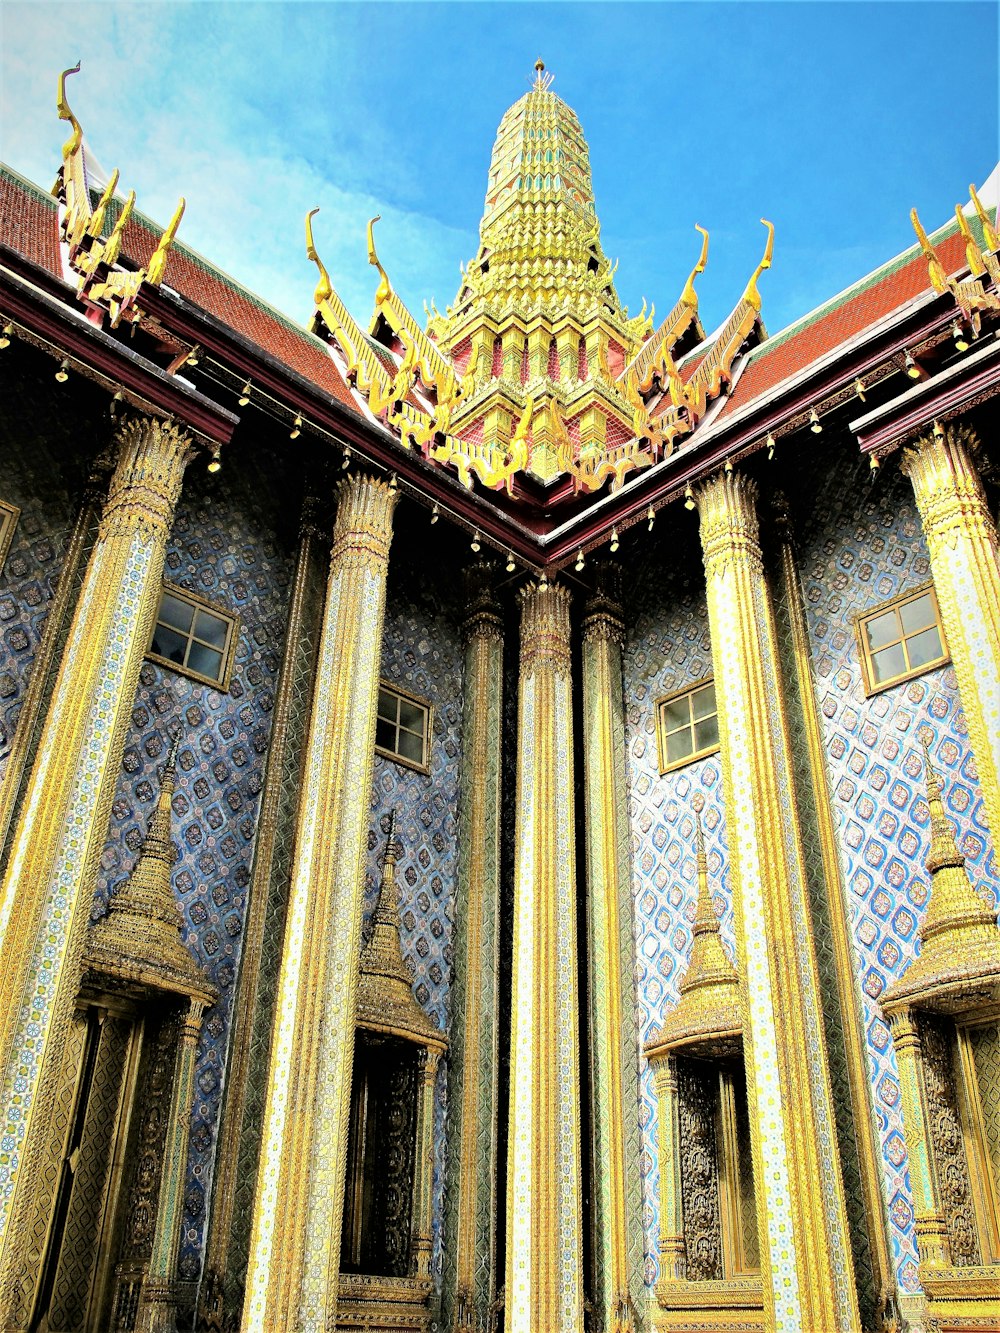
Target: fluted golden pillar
(471, 1191)
(64, 816)
(673, 1252)
(543, 1271)
(965, 562)
(295, 1245)
(618, 1290)
(157, 1304)
(801, 1212)
(423, 1165)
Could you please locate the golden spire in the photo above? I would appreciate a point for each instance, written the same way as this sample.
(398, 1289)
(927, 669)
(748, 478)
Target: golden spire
(709, 1009)
(385, 987)
(139, 939)
(959, 939)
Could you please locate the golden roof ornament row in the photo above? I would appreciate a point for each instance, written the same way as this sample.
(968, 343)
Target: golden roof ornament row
(971, 295)
(93, 258)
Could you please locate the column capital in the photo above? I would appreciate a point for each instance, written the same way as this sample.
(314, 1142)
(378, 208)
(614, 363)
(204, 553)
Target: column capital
(545, 628)
(482, 615)
(603, 616)
(949, 493)
(146, 482)
(727, 507)
(362, 529)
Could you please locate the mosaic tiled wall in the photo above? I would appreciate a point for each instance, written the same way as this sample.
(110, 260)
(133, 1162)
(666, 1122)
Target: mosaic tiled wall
(233, 544)
(859, 545)
(667, 648)
(40, 473)
(422, 654)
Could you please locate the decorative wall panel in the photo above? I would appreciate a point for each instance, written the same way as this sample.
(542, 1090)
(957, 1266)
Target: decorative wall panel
(859, 544)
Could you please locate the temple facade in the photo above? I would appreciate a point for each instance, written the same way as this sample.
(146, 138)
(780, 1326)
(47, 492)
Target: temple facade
(499, 812)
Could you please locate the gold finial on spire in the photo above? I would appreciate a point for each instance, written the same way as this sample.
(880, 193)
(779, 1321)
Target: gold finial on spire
(139, 939)
(324, 288)
(989, 230)
(959, 940)
(751, 294)
(385, 985)
(384, 290)
(689, 296)
(938, 276)
(62, 106)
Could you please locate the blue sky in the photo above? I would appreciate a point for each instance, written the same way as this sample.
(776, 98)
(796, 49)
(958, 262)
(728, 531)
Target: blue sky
(832, 120)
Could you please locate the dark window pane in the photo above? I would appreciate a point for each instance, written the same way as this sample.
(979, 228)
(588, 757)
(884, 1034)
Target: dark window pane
(924, 647)
(387, 706)
(703, 701)
(385, 734)
(917, 614)
(175, 612)
(888, 663)
(206, 661)
(211, 629)
(678, 745)
(168, 644)
(882, 629)
(411, 747)
(706, 734)
(676, 713)
(411, 716)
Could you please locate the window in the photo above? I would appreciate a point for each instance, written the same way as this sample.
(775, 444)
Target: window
(9, 514)
(403, 727)
(194, 637)
(979, 1098)
(687, 725)
(901, 639)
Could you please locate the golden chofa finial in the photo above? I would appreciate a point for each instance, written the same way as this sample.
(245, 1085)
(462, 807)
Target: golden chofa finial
(324, 288)
(158, 262)
(384, 290)
(989, 230)
(935, 269)
(751, 294)
(62, 106)
(689, 296)
(972, 255)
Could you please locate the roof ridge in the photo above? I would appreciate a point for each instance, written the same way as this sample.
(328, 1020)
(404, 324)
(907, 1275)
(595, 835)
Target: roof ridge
(43, 196)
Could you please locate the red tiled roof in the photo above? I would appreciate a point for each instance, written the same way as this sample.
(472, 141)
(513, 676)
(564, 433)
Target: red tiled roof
(237, 308)
(889, 289)
(28, 221)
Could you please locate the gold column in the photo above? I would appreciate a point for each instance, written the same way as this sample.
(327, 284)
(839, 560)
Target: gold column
(295, 1245)
(64, 818)
(471, 1191)
(801, 1212)
(544, 1241)
(673, 1254)
(933, 1249)
(31, 718)
(965, 562)
(157, 1305)
(865, 1135)
(423, 1166)
(611, 955)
